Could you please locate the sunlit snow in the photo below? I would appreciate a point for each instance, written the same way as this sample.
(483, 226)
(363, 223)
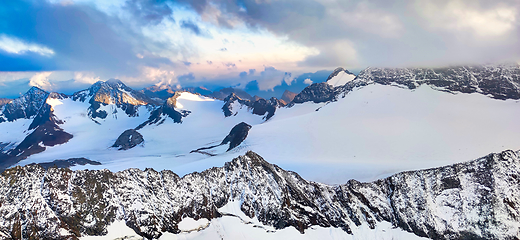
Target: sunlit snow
(372, 132)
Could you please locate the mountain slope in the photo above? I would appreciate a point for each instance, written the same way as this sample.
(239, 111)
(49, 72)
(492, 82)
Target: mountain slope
(499, 81)
(474, 200)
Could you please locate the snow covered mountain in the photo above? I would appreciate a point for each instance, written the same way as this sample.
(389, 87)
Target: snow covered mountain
(368, 127)
(470, 200)
(499, 81)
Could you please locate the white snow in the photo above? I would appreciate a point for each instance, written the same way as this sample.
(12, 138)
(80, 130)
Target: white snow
(371, 133)
(341, 79)
(189, 224)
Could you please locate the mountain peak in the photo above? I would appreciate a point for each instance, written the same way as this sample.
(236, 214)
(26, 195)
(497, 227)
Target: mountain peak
(35, 90)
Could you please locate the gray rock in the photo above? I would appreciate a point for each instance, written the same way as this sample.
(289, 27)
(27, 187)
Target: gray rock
(128, 139)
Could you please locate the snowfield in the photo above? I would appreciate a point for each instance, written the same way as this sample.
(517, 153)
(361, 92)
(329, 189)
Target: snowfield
(370, 133)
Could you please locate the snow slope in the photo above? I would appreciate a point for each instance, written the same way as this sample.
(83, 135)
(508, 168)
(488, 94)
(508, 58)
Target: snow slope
(341, 79)
(372, 132)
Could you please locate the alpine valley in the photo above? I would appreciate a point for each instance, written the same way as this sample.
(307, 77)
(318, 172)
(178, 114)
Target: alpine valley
(433, 151)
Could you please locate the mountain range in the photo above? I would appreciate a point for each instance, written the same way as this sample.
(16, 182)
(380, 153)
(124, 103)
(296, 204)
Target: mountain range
(379, 126)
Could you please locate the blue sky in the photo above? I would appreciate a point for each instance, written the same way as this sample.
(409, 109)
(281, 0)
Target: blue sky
(66, 45)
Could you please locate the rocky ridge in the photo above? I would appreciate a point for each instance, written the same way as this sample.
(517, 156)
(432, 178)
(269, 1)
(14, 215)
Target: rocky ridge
(497, 81)
(471, 200)
(261, 107)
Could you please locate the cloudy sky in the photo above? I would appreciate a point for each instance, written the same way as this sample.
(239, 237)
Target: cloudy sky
(65, 45)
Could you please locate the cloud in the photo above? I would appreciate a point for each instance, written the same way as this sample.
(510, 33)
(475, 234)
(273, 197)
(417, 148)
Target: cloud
(191, 26)
(41, 80)
(307, 81)
(386, 33)
(16, 46)
(186, 78)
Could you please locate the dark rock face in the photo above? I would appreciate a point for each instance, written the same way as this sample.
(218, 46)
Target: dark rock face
(115, 92)
(68, 163)
(128, 139)
(471, 200)
(237, 135)
(317, 93)
(26, 106)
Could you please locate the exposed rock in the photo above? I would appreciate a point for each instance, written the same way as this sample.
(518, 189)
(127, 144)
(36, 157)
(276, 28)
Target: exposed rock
(287, 96)
(237, 135)
(471, 200)
(317, 93)
(68, 163)
(128, 139)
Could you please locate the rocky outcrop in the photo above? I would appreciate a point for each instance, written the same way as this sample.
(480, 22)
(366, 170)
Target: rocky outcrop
(471, 200)
(317, 93)
(237, 135)
(128, 139)
(68, 163)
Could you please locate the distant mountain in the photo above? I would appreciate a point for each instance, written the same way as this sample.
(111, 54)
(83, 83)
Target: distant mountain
(340, 77)
(4, 101)
(225, 92)
(167, 91)
(26, 106)
(287, 96)
(161, 92)
(498, 81)
(261, 107)
(470, 200)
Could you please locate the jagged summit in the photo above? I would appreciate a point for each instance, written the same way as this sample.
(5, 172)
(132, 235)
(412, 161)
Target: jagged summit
(26, 106)
(340, 77)
(115, 92)
(498, 81)
(470, 200)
